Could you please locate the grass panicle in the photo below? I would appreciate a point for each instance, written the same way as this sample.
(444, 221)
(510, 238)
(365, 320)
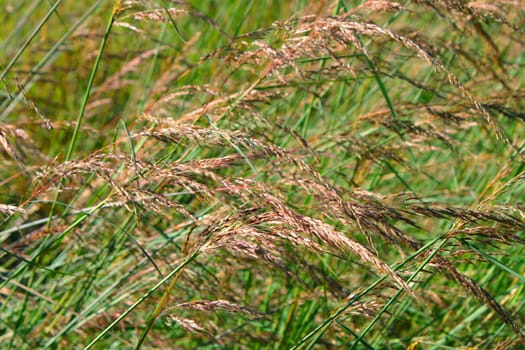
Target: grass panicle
(337, 174)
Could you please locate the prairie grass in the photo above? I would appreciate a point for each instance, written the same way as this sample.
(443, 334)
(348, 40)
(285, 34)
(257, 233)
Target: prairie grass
(262, 174)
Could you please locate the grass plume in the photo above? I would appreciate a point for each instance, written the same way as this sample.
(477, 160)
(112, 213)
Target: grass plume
(262, 175)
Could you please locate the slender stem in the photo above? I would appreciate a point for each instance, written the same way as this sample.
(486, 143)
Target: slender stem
(29, 39)
(141, 300)
(80, 117)
(85, 100)
(321, 328)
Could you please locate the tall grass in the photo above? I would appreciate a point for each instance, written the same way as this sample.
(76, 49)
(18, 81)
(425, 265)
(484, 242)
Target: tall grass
(262, 174)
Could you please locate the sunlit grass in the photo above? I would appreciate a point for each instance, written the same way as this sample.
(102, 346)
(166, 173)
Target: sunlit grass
(262, 174)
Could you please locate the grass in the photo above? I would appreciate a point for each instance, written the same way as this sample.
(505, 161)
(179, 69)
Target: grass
(262, 174)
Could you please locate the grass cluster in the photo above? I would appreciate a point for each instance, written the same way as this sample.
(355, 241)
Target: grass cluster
(262, 174)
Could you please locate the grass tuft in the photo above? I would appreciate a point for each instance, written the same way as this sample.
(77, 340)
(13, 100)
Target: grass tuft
(261, 174)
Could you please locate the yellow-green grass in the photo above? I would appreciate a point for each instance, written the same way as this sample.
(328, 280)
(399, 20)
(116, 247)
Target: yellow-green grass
(262, 174)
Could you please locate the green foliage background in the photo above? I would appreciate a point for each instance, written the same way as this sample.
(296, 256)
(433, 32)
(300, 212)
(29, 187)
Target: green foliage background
(262, 174)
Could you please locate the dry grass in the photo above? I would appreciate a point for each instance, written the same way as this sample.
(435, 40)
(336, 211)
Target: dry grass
(335, 175)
